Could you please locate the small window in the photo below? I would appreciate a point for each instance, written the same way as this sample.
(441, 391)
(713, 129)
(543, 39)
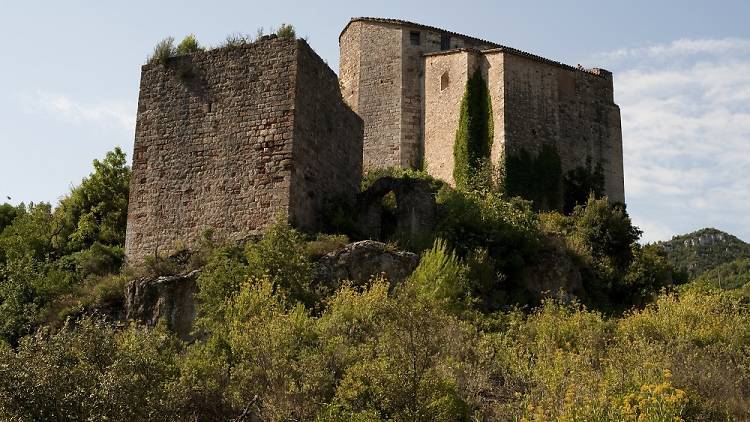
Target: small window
(444, 81)
(445, 42)
(415, 37)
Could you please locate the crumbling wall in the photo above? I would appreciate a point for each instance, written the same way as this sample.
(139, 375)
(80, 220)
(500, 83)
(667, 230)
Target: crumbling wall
(232, 139)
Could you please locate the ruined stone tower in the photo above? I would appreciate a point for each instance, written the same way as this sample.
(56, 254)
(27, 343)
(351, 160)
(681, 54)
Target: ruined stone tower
(407, 81)
(231, 139)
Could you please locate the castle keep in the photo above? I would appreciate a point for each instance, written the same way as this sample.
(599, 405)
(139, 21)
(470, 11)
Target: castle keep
(407, 81)
(231, 139)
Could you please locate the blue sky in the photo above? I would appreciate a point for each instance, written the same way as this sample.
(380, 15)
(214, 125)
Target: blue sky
(682, 79)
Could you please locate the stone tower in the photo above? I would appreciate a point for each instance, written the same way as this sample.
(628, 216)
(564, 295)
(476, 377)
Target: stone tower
(231, 139)
(407, 81)
(381, 71)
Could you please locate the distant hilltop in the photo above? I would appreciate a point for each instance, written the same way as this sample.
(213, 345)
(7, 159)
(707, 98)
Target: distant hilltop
(705, 249)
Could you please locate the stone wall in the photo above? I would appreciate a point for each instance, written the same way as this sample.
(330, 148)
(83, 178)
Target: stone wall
(217, 138)
(375, 91)
(327, 147)
(382, 78)
(569, 108)
(534, 103)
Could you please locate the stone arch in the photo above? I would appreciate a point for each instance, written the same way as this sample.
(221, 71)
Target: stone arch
(415, 215)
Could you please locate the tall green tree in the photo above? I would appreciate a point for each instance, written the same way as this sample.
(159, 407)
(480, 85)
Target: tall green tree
(97, 209)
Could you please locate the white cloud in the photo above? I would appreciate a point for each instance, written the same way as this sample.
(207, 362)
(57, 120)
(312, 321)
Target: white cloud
(682, 47)
(117, 113)
(686, 134)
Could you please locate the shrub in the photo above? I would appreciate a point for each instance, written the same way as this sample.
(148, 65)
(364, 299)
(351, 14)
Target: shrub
(236, 39)
(286, 31)
(281, 255)
(324, 244)
(188, 45)
(90, 372)
(441, 276)
(163, 51)
(536, 177)
(506, 231)
(605, 231)
(398, 173)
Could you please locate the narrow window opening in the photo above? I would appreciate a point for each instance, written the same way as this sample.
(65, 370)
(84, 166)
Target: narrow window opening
(415, 38)
(444, 81)
(445, 42)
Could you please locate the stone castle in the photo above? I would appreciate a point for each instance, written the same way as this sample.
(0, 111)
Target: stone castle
(232, 139)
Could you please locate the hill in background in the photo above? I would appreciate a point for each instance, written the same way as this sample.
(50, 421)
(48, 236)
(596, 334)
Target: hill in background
(696, 253)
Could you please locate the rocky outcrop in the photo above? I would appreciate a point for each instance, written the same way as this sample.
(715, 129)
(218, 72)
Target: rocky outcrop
(149, 299)
(359, 261)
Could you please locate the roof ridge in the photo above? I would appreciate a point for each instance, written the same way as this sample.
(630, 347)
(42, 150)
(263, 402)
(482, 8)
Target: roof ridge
(495, 46)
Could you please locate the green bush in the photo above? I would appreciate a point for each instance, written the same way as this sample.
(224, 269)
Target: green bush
(505, 232)
(237, 39)
(90, 372)
(163, 51)
(398, 173)
(286, 31)
(441, 276)
(582, 182)
(188, 45)
(535, 177)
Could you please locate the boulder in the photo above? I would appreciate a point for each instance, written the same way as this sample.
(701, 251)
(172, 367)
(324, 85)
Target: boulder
(359, 261)
(150, 299)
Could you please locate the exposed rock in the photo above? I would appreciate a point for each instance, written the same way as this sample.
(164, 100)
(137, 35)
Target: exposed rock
(149, 299)
(554, 272)
(359, 261)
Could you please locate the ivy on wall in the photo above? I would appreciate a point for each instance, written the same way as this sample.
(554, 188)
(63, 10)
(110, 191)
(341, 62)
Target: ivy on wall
(471, 151)
(539, 178)
(582, 182)
(535, 177)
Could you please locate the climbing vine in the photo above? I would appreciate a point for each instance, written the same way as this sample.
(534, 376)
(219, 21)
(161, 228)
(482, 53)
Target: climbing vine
(471, 151)
(535, 177)
(582, 182)
(539, 178)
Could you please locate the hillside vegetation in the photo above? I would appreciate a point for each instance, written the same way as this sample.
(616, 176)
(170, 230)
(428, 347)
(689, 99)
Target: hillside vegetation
(468, 336)
(695, 253)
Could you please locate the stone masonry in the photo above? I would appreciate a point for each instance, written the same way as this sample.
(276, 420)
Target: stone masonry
(231, 139)
(382, 79)
(407, 81)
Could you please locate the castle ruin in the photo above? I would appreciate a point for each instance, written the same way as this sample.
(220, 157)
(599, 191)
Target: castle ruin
(231, 139)
(407, 81)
